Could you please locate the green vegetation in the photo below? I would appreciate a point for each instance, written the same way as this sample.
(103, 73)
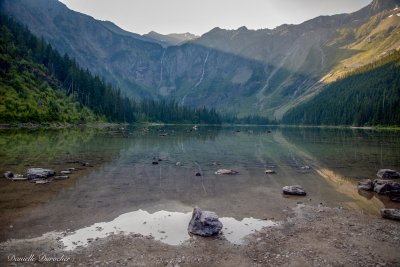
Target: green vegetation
(368, 96)
(38, 85)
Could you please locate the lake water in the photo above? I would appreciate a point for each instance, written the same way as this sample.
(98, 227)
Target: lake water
(122, 191)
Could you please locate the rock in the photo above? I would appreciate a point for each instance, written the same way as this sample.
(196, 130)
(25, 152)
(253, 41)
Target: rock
(366, 185)
(204, 223)
(269, 172)
(154, 162)
(198, 174)
(178, 163)
(34, 173)
(65, 172)
(8, 175)
(394, 195)
(388, 174)
(44, 181)
(392, 214)
(87, 164)
(383, 186)
(225, 171)
(294, 190)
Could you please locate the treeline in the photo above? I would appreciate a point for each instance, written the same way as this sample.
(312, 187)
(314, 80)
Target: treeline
(63, 75)
(251, 119)
(368, 96)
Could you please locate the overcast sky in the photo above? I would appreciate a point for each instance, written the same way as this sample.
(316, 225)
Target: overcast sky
(200, 16)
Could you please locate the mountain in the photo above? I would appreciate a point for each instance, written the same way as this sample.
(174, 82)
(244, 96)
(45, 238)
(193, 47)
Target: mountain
(368, 96)
(170, 39)
(263, 72)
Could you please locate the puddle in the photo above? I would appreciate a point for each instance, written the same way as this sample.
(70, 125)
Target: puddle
(167, 227)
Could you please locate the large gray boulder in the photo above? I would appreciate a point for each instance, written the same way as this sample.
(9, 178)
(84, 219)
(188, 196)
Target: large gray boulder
(384, 186)
(366, 185)
(296, 190)
(204, 223)
(388, 174)
(392, 214)
(39, 173)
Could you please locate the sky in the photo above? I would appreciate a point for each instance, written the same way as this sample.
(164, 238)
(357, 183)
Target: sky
(200, 16)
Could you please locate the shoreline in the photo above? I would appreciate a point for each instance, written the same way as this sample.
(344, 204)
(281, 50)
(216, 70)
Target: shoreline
(308, 236)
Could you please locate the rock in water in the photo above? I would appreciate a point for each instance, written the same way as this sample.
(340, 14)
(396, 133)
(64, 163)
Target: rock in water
(35, 173)
(366, 185)
(388, 174)
(225, 171)
(296, 190)
(269, 172)
(8, 175)
(384, 186)
(392, 214)
(394, 195)
(204, 223)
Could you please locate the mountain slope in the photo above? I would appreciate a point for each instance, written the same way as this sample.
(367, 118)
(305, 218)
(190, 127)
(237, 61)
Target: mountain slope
(368, 96)
(264, 72)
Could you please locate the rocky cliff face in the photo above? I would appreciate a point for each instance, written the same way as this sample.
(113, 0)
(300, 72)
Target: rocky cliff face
(243, 71)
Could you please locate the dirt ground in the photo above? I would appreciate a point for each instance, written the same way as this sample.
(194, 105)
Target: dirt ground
(309, 236)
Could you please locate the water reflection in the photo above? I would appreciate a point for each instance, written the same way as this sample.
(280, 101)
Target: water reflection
(164, 226)
(124, 179)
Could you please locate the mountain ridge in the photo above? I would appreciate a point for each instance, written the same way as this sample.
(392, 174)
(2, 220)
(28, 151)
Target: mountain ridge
(262, 72)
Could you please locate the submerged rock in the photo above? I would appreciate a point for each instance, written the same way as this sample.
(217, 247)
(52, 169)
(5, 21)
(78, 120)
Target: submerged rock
(204, 223)
(384, 186)
(296, 190)
(225, 171)
(8, 175)
(392, 214)
(366, 185)
(394, 195)
(388, 174)
(35, 173)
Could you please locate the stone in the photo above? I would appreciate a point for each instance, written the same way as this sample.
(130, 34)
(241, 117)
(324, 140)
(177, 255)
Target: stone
(204, 223)
(61, 177)
(296, 190)
(394, 195)
(35, 173)
(8, 175)
(269, 172)
(392, 214)
(198, 174)
(388, 174)
(154, 162)
(65, 172)
(366, 185)
(225, 171)
(178, 163)
(383, 186)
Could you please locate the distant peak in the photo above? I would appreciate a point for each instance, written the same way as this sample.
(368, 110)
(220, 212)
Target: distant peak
(243, 28)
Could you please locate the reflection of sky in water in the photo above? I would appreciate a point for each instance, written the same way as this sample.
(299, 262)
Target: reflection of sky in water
(167, 227)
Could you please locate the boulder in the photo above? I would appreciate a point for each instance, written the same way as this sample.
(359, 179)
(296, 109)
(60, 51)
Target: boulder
(225, 171)
(204, 223)
(197, 174)
(392, 214)
(383, 186)
(388, 174)
(366, 185)
(37, 173)
(269, 172)
(394, 195)
(8, 175)
(296, 190)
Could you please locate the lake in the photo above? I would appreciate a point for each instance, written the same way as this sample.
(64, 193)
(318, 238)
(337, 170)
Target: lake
(121, 189)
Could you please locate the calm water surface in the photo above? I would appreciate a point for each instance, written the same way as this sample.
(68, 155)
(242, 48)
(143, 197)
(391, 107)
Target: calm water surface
(123, 190)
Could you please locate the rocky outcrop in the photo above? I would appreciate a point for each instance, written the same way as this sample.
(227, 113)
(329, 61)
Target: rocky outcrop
(204, 223)
(392, 214)
(388, 174)
(296, 190)
(39, 173)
